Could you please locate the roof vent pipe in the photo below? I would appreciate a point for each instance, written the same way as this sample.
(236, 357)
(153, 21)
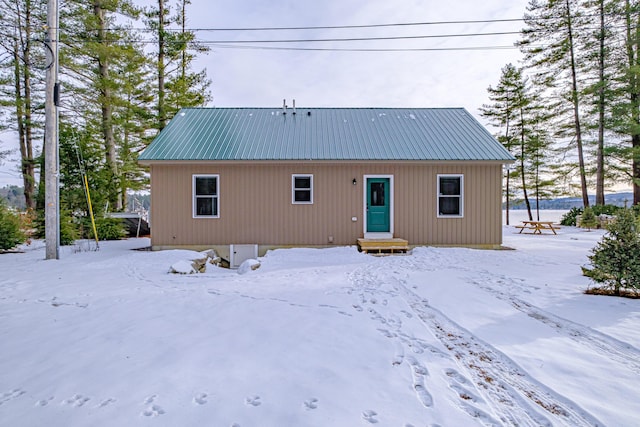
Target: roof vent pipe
(294, 106)
(284, 106)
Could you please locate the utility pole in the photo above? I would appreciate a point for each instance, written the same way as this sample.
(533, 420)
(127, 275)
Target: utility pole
(51, 162)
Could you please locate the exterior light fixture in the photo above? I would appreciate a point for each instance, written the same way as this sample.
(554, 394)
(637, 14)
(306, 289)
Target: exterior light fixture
(354, 182)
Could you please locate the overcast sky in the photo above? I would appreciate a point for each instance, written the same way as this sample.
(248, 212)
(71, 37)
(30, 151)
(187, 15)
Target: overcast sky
(244, 77)
(262, 78)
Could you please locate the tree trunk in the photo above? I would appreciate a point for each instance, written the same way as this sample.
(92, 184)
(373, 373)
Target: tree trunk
(507, 204)
(635, 141)
(506, 134)
(28, 163)
(17, 71)
(183, 19)
(576, 109)
(106, 107)
(522, 168)
(601, 107)
(633, 44)
(537, 157)
(162, 119)
(22, 85)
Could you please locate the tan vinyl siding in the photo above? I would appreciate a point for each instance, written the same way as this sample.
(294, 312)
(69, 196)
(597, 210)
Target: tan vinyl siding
(255, 204)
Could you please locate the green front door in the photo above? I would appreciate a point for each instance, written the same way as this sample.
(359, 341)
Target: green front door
(378, 205)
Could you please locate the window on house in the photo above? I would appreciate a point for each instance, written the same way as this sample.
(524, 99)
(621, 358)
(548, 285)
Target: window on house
(302, 189)
(205, 196)
(450, 196)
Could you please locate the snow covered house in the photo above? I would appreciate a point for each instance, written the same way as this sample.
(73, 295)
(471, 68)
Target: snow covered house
(277, 177)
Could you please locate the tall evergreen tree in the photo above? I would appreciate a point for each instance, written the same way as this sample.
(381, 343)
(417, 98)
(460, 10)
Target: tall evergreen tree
(523, 121)
(538, 170)
(98, 52)
(506, 98)
(178, 85)
(549, 42)
(626, 120)
(21, 81)
(597, 61)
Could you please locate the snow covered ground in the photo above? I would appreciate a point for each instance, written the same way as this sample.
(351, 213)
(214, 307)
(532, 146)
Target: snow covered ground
(317, 337)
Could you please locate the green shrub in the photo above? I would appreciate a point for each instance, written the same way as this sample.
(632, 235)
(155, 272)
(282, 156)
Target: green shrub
(10, 233)
(615, 260)
(588, 218)
(570, 217)
(68, 227)
(605, 209)
(108, 229)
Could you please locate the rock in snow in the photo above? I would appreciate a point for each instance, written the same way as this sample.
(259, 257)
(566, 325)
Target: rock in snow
(248, 265)
(183, 267)
(198, 265)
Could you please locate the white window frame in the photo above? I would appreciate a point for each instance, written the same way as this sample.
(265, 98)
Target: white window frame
(194, 196)
(293, 188)
(460, 196)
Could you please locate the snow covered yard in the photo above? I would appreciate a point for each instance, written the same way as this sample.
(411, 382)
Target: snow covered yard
(331, 337)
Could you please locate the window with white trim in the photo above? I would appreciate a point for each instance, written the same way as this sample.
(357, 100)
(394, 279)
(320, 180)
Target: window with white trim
(450, 196)
(302, 189)
(206, 196)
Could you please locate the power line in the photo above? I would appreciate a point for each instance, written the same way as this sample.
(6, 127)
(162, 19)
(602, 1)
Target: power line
(353, 39)
(324, 27)
(341, 27)
(470, 48)
(337, 39)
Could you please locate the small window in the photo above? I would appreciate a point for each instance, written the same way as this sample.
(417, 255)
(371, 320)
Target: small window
(205, 196)
(377, 194)
(302, 189)
(450, 196)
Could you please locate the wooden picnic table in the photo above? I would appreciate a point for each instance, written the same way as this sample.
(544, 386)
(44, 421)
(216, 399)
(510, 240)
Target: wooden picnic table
(537, 227)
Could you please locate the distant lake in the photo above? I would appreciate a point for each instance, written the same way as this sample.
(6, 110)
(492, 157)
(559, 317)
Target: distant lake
(518, 215)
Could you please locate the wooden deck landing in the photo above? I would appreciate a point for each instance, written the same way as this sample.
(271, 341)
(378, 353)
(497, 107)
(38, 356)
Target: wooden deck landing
(383, 246)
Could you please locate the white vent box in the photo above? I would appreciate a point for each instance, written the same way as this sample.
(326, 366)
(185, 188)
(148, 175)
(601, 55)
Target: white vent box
(240, 253)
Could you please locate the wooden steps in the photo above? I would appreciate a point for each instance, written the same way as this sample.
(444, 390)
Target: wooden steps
(383, 246)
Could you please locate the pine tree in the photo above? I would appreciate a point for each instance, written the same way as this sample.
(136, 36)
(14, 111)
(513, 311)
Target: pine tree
(588, 218)
(97, 63)
(597, 60)
(178, 86)
(10, 233)
(615, 260)
(540, 175)
(549, 42)
(21, 81)
(506, 98)
(626, 116)
(522, 121)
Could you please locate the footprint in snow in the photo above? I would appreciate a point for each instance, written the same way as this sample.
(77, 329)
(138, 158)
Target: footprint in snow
(77, 400)
(150, 399)
(253, 401)
(10, 395)
(311, 403)
(200, 398)
(106, 402)
(370, 416)
(44, 402)
(152, 410)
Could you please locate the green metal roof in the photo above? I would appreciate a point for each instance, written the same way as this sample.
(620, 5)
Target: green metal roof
(324, 134)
